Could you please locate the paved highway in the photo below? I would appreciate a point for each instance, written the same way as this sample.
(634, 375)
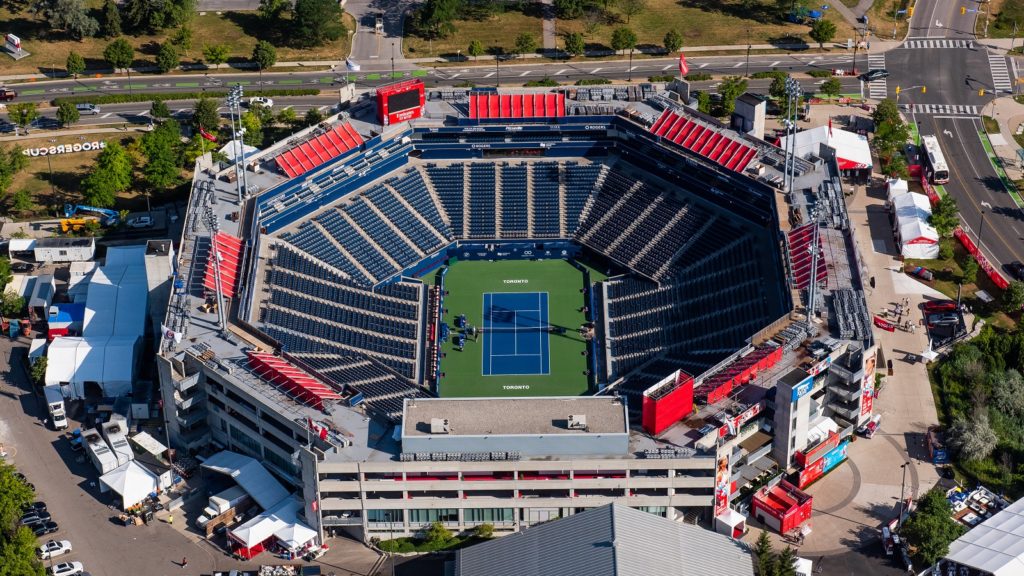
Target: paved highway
(941, 54)
(487, 74)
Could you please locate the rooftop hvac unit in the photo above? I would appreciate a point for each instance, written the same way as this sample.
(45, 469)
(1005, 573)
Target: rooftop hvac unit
(577, 422)
(439, 426)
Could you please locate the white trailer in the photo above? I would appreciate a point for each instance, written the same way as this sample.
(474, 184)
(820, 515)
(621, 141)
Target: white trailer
(102, 458)
(55, 406)
(114, 431)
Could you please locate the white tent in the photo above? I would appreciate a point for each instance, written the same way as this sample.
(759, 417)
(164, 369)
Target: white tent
(916, 237)
(231, 150)
(852, 150)
(280, 522)
(895, 187)
(36, 350)
(996, 546)
(250, 475)
(109, 362)
(131, 481)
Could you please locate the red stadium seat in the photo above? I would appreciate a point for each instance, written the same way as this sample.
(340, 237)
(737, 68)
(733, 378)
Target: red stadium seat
(710, 144)
(728, 153)
(692, 137)
(676, 126)
(517, 105)
(658, 127)
(505, 108)
(716, 152)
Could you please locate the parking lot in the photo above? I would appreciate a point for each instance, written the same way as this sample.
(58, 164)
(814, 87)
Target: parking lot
(68, 483)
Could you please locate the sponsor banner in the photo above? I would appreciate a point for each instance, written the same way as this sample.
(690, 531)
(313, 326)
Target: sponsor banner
(722, 485)
(802, 389)
(823, 465)
(820, 366)
(819, 451)
(732, 426)
(65, 148)
(514, 251)
(13, 43)
(868, 384)
(885, 324)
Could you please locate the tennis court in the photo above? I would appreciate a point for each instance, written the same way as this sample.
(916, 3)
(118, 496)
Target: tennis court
(515, 334)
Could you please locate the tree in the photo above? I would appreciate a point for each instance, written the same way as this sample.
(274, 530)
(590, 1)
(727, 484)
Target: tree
(945, 216)
(17, 554)
(931, 528)
(623, 39)
(764, 555)
(111, 24)
(575, 44)
(119, 53)
(271, 10)
(12, 161)
(822, 31)
(216, 54)
(437, 534)
(785, 565)
(159, 109)
(23, 114)
(11, 304)
(831, 87)
(39, 370)
(287, 116)
(316, 22)
(1013, 297)
(5, 272)
(155, 15)
(253, 135)
(777, 89)
(75, 64)
(673, 41)
(110, 175)
(162, 149)
(205, 115)
(569, 9)
(21, 201)
(886, 111)
(67, 114)
(183, 38)
(313, 117)
(704, 102)
(167, 57)
(730, 89)
(1008, 392)
(436, 17)
(476, 49)
(525, 43)
(970, 271)
(72, 16)
(632, 7)
(484, 531)
(264, 55)
(972, 438)
(198, 146)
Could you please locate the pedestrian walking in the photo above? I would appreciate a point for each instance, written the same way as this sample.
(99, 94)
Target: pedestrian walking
(184, 562)
(170, 519)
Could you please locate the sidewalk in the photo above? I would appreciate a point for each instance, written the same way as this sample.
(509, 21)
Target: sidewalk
(1010, 116)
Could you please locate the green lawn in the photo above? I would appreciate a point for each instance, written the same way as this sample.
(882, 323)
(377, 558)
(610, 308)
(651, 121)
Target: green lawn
(468, 281)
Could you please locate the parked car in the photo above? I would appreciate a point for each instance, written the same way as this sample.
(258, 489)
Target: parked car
(22, 267)
(876, 74)
(35, 517)
(933, 306)
(66, 569)
(943, 319)
(87, 109)
(35, 507)
(261, 101)
(1017, 269)
(6, 94)
(53, 548)
(43, 529)
(140, 222)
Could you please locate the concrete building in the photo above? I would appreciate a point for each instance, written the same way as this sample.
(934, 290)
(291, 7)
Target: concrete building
(64, 249)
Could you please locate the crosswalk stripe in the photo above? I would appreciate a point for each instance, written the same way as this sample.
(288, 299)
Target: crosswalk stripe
(943, 43)
(1000, 75)
(966, 110)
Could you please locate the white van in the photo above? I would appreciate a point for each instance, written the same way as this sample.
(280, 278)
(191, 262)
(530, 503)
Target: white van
(87, 109)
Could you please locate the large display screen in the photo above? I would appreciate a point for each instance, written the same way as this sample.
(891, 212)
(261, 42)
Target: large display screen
(403, 101)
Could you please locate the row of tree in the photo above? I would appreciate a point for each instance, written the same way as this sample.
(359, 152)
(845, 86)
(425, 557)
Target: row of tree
(120, 55)
(768, 562)
(17, 543)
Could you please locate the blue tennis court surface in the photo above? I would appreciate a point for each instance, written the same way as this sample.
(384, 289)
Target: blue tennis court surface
(515, 334)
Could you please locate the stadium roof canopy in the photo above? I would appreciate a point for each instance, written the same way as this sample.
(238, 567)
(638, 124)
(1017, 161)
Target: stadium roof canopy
(612, 540)
(996, 546)
(852, 150)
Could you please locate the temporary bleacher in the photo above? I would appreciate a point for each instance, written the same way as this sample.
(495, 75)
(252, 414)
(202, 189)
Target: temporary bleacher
(312, 153)
(490, 105)
(292, 380)
(737, 373)
(801, 256)
(227, 250)
(704, 139)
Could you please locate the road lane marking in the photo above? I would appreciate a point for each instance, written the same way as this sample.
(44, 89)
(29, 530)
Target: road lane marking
(489, 74)
(774, 64)
(560, 72)
(595, 70)
(525, 73)
(667, 67)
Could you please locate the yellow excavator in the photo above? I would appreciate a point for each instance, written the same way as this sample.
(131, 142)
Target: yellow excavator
(74, 224)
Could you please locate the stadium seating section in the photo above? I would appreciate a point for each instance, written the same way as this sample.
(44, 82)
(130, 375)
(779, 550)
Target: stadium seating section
(704, 139)
(314, 152)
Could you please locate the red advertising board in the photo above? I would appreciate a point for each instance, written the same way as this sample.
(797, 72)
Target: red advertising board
(885, 324)
(723, 484)
(734, 423)
(660, 412)
(868, 384)
(400, 102)
(815, 454)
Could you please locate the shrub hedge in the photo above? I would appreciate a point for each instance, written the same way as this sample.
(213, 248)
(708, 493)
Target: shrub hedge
(149, 97)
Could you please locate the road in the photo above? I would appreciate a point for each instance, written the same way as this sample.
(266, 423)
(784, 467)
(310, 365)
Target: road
(486, 74)
(950, 109)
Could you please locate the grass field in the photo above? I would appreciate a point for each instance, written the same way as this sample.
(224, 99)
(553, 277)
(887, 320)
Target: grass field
(239, 30)
(468, 281)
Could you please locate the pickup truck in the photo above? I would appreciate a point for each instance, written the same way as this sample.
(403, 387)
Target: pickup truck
(6, 94)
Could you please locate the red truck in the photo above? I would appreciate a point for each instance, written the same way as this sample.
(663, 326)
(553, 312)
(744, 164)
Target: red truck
(6, 94)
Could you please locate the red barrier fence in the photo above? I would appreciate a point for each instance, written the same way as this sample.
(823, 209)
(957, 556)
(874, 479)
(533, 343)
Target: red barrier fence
(933, 196)
(993, 274)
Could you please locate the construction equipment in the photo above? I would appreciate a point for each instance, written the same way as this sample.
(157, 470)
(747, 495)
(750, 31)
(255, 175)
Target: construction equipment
(107, 217)
(74, 224)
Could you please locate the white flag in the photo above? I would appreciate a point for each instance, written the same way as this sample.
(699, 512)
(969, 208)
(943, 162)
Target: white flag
(171, 334)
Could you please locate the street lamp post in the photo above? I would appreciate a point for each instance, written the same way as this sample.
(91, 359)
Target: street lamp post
(747, 74)
(630, 78)
(903, 487)
(392, 59)
(497, 69)
(49, 166)
(981, 225)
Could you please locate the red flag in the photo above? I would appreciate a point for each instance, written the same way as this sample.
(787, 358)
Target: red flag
(683, 68)
(829, 126)
(207, 135)
(315, 505)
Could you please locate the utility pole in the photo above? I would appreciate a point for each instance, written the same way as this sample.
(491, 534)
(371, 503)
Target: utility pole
(903, 487)
(747, 74)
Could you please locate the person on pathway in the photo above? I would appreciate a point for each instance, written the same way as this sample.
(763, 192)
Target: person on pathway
(184, 562)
